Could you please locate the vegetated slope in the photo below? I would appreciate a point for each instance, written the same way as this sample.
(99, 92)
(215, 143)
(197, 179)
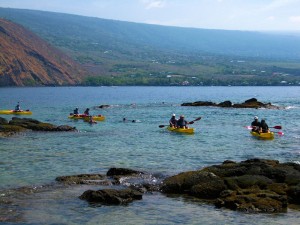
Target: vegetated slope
(78, 32)
(27, 60)
(119, 53)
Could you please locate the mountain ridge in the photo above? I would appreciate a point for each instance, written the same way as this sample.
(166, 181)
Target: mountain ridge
(228, 42)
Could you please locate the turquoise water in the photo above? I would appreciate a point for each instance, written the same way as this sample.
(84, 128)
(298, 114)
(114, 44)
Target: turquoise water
(34, 159)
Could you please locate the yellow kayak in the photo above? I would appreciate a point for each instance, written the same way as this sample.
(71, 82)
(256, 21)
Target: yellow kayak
(181, 130)
(85, 117)
(269, 135)
(20, 112)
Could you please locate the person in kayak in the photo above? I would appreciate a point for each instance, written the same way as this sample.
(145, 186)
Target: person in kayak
(182, 123)
(18, 108)
(91, 120)
(173, 121)
(87, 112)
(255, 124)
(264, 128)
(76, 112)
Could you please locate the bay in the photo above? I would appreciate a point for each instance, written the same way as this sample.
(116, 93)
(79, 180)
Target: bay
(35, 159)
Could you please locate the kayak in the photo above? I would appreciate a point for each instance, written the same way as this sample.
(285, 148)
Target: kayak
(269, 135)
(181, 130)
(21, 112)
(85, 117)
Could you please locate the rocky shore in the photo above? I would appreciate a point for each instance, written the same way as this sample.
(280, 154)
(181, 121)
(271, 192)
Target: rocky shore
(251, 186)
(250, 103)
(254, 185)
(17, 125)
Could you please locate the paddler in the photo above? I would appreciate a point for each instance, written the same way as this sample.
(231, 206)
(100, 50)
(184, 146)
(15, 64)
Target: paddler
(76, 112)
(255, 124)
(173, 121)
(264, 128)
(182, 123)
(18, 108)
(87, 112)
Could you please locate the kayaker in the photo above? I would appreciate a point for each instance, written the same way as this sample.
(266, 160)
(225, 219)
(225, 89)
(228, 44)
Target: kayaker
(264, 128)
(92, 121)
(76, 112)
(18, 108)
(87, 112)
(182, 123)
(173, 121)
(255, 124)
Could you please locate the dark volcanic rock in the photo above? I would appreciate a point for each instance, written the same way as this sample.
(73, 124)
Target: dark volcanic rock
(255, 185)
(199, 103)
(104, 106)
(121, 172)
(111, 196)
(225, 104)
(65, 128)
(3, 121)
(250, 103)
(17, 124)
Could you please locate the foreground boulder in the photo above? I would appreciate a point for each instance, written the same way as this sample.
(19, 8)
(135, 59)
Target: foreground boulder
(111, 196)
(16, 125)
(255, 185)
(250, 103)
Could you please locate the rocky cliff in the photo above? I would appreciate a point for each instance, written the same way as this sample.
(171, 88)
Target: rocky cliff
(27, 60)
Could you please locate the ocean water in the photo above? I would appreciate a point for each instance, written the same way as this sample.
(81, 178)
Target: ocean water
(35, 159)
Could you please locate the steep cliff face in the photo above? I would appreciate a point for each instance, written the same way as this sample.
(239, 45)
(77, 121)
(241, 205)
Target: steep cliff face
(27, 60)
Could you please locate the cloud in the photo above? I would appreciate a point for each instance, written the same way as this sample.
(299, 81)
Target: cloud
(150, 4)
(278, 4)
(295, 19)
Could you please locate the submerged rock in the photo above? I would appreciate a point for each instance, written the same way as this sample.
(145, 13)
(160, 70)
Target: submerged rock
(250, 103)
(111, 196)
(104, 106)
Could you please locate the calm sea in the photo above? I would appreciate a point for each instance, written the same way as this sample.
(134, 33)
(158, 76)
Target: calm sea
(36, 159)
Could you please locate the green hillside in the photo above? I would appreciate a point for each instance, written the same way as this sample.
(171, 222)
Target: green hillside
(124, 53)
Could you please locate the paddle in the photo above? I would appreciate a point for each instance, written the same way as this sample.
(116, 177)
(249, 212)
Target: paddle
(199, 118)
(280, 133)
(275, 127)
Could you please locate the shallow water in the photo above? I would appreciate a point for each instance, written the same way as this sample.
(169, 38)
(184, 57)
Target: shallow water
(37, 158)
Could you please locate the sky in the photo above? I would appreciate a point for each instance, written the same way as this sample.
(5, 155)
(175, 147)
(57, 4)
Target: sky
(253, 15)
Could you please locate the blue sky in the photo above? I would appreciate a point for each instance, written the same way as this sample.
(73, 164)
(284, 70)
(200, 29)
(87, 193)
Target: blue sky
(271, 15)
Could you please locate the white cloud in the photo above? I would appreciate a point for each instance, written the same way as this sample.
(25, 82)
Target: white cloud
(150, 4)
(276, 4)
(295, 19)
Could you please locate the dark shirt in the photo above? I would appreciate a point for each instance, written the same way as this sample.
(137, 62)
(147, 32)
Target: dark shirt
(76, 111)
(181, 123)
(86, 112)
(255, 125)
(264, 127)
(173, 121)
(17, 108)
